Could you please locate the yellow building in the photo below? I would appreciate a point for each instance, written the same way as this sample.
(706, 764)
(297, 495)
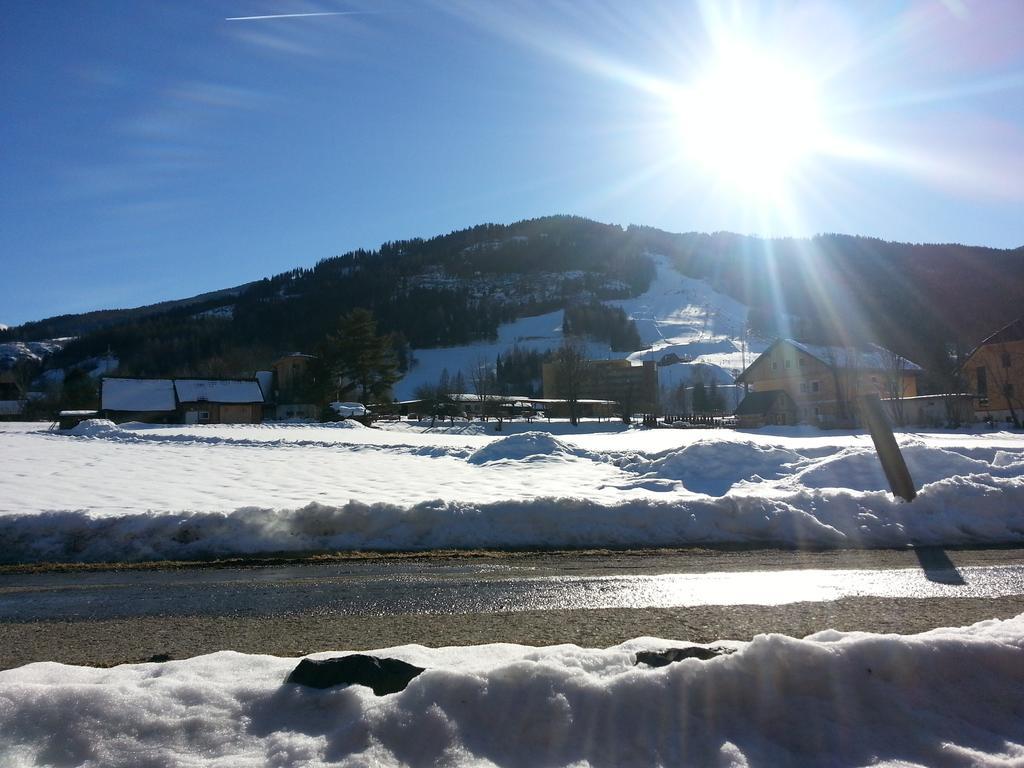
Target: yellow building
(821, 382)
(994, 372)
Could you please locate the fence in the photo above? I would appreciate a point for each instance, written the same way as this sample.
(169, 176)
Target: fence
(690, 420)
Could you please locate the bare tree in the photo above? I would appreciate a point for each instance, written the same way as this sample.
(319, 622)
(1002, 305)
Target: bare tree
(957, 382)
(572, 370)
(481, 377)
(894, 368)
(437, 398)
(24, 371)
(844, 364)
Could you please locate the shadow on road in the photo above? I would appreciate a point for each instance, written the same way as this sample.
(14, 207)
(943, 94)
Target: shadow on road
(937, 566)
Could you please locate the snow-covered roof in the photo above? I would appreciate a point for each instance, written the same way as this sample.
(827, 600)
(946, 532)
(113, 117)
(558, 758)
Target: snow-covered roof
(218, 390)
(869, 357)
(138, 395)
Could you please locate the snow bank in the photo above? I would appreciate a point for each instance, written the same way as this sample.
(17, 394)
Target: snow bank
(136, 491)
(948, 697)
(978, 509)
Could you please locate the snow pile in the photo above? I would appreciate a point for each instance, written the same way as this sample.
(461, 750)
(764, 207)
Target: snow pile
(945, 697)
(529, 446)
(346, 423)
(713, 467)
(94, 428)
(859, 468)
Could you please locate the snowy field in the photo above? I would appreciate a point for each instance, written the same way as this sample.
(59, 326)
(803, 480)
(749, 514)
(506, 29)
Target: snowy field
(949, 697)
(140, 491)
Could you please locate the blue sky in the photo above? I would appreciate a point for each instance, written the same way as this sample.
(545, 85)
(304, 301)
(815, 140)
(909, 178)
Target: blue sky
(151, 151)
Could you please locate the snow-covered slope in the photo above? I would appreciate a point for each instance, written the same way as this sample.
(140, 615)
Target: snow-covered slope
(12, 352)
(677, 314)
(687, 317)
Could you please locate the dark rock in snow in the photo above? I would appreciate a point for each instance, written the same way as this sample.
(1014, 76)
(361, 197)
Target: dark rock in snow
(669, 655)
(382, 675)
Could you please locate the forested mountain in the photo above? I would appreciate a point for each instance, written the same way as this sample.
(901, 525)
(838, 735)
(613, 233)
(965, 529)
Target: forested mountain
(921, 300)
(453, 289)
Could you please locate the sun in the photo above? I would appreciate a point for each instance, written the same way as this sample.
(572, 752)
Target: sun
(752, 121)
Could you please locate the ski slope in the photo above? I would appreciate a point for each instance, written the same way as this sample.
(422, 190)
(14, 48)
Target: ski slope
(677, 314)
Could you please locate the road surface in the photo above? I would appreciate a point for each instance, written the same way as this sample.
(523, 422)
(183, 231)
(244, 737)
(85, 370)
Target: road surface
(106, 617)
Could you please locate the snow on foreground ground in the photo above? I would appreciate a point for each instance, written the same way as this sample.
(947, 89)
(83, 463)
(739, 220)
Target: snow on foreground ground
(949, 697)
(142, 491)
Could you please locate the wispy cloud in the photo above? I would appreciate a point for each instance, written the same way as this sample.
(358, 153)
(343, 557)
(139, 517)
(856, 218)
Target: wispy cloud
(292, 15)
(309, 30)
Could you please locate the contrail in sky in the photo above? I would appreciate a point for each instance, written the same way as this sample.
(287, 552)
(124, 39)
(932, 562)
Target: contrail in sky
(290, 15)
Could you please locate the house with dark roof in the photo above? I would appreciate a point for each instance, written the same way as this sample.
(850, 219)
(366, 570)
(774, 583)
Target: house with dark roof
(822, 382)
(994, 372)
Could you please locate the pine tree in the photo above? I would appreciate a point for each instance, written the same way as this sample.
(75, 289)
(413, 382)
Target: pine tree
(699, 398)
(359, 359)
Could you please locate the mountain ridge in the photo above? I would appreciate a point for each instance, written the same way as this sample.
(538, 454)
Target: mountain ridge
(461, 287)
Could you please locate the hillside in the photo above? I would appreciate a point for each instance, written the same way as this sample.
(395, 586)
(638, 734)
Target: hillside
(450, 300)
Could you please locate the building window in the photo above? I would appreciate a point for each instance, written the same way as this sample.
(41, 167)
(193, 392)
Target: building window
(803, 387)
(1008, 390)
(1006, 360)
(815, 387)
(982, 388)
(204, 416)
(789, 363)
(801, 362)
(775, 365)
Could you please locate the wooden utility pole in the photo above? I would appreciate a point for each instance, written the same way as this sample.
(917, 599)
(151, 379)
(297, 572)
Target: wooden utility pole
(888, 449)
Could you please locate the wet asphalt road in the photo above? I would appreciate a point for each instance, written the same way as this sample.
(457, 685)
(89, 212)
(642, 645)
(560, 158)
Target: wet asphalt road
(109, 617)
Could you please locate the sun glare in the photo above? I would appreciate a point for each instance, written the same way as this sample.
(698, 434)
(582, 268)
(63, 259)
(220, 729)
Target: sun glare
(751, 122)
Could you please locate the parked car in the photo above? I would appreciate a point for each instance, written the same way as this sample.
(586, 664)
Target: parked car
(349, 410)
